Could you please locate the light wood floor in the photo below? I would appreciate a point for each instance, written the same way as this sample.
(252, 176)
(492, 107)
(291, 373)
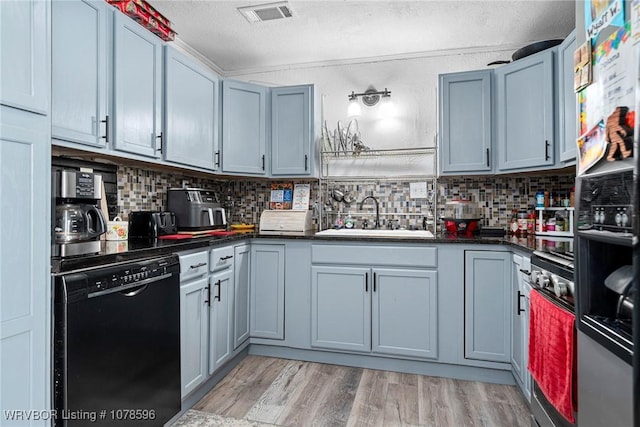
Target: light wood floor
(293, 393)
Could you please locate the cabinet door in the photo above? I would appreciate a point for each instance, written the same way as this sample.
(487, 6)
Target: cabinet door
(137, 88)
(191, 112)
(291, 130)
(242, 263)
(244, 112)
(567, 122)
(465, 122)
(517, 336)
(194, 320)
(220, 318)
(25, 55)
(79, 71)
(405, 312)
(341, 308)
(267, 291)
(25, 282)
(525, 112)
(487, 306)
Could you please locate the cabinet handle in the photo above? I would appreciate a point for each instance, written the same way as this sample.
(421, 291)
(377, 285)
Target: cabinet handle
(218, 158)
(208, 301)
(374, 281)
(520, 309)
(218, 285)
(202, 264)
(527, 272)
(488, 159)
(224, 258)
(106, 129)
(546, 150)
(366, 282)
(263, 162)
(161, 140)
(306, 162)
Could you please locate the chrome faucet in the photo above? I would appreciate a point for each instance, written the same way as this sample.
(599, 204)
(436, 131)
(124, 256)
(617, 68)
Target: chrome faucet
(377, 223)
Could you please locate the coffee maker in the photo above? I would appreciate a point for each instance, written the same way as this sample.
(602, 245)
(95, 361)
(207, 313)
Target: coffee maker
(77, 221)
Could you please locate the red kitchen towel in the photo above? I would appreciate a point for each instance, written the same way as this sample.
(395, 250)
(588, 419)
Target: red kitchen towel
(551, 362)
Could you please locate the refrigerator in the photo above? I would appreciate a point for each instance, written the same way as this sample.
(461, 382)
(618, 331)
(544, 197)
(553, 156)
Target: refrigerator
(606, 65)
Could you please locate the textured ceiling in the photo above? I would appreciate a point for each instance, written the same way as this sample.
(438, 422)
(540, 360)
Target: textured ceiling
(322, 31)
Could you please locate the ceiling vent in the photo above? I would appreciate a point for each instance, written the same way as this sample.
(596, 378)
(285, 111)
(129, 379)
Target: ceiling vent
(266, 12)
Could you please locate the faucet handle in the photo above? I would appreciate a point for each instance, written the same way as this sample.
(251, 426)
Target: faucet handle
(365, 223)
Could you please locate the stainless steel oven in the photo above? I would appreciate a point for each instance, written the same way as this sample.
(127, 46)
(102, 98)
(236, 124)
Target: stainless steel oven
(552, 277)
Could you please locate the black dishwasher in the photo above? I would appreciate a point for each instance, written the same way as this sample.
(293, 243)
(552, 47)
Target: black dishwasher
(117, 344)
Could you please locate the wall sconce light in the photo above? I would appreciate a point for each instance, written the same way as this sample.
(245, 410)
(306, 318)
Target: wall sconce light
(370, 97)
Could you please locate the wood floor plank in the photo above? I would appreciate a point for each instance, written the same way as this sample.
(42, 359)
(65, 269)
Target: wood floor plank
(239, 391)
(335, 407)
(368, 405)
(435, 406)
(401, 405)
(274, 400)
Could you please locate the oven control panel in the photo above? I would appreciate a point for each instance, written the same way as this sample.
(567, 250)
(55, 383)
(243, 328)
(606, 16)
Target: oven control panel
(544, 279)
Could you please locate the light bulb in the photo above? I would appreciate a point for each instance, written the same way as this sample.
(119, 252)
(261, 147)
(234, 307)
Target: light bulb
(387, 109)
(354, 109)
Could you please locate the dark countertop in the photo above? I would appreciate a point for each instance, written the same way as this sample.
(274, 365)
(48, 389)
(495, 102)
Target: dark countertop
(136, 249)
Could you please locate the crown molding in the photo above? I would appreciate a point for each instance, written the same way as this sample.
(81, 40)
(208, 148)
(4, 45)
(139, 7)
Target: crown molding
(180, 45)
(510, 48)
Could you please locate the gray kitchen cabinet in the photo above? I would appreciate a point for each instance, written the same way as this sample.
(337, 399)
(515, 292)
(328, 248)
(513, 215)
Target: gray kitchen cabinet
(137, 88)
(194, 328)
(220, 318)
(25, 56)
(567, 108)
(267, 291)
(487, 306)
(520, 323)
(194, 319)
(525, 114)
(79, 72)
(244, 135)
(465, 123)
(191, 112)
(292, 134)
(340, 308)
(242, 269)
(25, 194)
(405, 312)
(380, 310)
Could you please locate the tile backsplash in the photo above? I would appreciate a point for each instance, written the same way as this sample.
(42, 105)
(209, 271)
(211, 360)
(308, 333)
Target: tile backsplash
(245, 198)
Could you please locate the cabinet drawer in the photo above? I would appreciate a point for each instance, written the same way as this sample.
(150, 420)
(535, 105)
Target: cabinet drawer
(193, 265)
(221, 258)
(399, 256)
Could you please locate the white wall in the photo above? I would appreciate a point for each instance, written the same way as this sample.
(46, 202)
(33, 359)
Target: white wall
(412, 82)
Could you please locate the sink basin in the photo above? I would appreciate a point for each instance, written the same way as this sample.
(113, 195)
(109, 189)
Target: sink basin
(345, 232)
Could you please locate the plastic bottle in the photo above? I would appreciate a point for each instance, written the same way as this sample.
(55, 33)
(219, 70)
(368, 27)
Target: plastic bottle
(540, 199)
(531, 222)
(349, 222)
(522, 223)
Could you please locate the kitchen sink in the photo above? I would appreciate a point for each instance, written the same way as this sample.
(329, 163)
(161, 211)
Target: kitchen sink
(345, 232)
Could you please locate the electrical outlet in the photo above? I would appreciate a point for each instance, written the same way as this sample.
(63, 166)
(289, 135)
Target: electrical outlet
(418, 190)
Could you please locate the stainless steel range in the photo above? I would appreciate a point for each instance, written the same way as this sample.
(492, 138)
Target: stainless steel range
(552, 277)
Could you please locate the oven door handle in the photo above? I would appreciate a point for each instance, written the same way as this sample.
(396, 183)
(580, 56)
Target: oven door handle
(526, 272)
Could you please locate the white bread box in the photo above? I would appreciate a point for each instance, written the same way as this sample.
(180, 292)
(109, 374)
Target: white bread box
(286, 223)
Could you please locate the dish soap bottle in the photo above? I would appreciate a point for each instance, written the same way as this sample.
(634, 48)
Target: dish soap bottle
(349, 222)
(339, 223)
(513, 225)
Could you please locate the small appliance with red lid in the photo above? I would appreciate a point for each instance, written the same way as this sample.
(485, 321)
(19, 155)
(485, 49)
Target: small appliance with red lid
(461, 217)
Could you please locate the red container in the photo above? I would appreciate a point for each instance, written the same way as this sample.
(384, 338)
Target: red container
(146, 16)
(461, 226)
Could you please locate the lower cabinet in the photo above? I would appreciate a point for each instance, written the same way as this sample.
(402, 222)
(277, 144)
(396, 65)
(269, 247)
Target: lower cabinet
(267, 291)
(194, 321)
(487, 306)
(380, 310)
(520, 323)
(220, 318)
(242, 270)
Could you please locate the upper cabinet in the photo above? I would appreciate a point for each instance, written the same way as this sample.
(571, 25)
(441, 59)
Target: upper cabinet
(137, 88)
(567, 121)
(24, 55)
(465, 122)
(292, 134)
(191, 112)
(525, 112)
(79, 71)
(244, 118)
